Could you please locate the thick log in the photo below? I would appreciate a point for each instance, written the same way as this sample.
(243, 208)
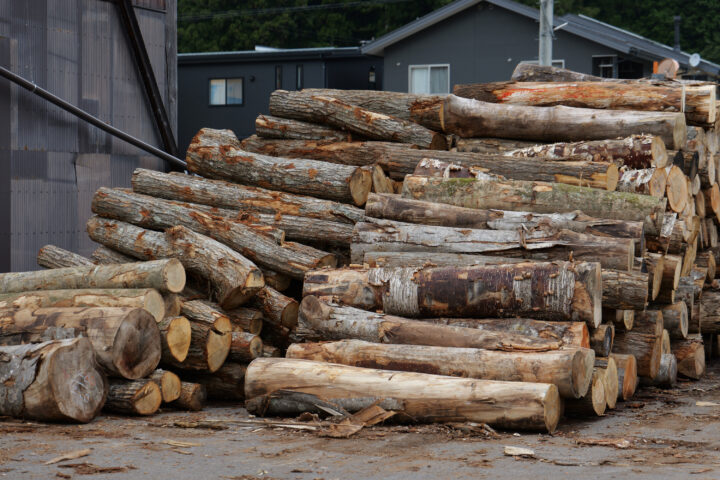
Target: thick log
(51, 256)
(169, 384)
(675, 319)
(192, 397)
(601, 339)
(672, 267)
(624, 290)
(164, 275)
(650, 322)
(627, 375)
(146, 298)
(226, 384)
(208, 350)
(645, 346)
(175, 337)
(558, 291)
(611, 385)
(268, 126)
(245, 347)
(107, 256)
(594, 402)
(126, 340)
(424, 397)
(473, 118)
(133, 397)
(207, 313)
(649, 181)
(635, 151)
(690, 354)
(709, 312)
(275, 280)
(689, 293)
(245, 319)
(381, 183)
(569, 370)
(697, 102)
(667, 374)
(352, 118)
(321, 319)
(536, 197)
(150, 212)
(277, 309)
(388, 235)
(56, 381)
(234, 279)
(655, 265)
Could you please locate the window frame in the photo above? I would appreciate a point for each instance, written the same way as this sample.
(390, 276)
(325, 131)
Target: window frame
(429, 66)
(226, 104)
(614, 65)
(552, 63)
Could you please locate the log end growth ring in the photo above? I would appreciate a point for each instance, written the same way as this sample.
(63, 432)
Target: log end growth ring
(582, 367)
(174, 275)
(137, 345)
(178, 338)
(552, 408)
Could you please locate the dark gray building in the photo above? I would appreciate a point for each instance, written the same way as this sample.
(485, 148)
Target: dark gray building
(483, 40)
(230, 89)
(51, 163)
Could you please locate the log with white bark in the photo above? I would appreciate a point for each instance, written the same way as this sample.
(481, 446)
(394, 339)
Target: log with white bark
(608, 368)
(226, 384)
(536, 197)
(268, 126)
(56, 381)
(473, 118)
(192, 397)
(164, 275)
(424, 397)
(175, 337)
(645, 346)
(594, 402)
(277, 308)
(308, 177)
(648, 181)
(559, 291)
(107, 256)
(675, 319)
(388, 235)
(667, 374)
(133, 397)
(150, 212)
(352, 118)
(51, 256)
(169, 384)
(690, 354)
(569, 370)
(146, 298)
(627, 375)
(697, 102)
(126, 340)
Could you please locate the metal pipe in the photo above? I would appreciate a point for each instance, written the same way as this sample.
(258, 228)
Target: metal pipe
(68, 107)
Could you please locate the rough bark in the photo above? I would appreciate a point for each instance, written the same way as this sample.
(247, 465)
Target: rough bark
(672, 267)
(126, 340)
(245, 347)
(133, 397)
(169, 384)
(275, 280)
(646, 348)
(226, 384)
(690, 354)
(150, 212)
(164, 275)
(627, 375)
(192, 397)
(601, 339)
(277, 308)
(51, 256)
(498, 146)
(175, 336)
(268, 126)
(107, 256)
(207, 313)
(675, 319)
(624, 290)
(473, 118)
(424, 397)
(558, 291)
(710, 312)
(569, 370)
(594, 402)
(650, 322)
(706, 260)
(245, 319)
(649, 181)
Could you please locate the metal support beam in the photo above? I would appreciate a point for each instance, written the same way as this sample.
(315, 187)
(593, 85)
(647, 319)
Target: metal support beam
(546, 32)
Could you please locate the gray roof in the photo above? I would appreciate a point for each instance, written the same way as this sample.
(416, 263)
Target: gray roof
(269, 54)
(580, 25)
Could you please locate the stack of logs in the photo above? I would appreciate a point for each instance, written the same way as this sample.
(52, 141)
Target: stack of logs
(433, 255)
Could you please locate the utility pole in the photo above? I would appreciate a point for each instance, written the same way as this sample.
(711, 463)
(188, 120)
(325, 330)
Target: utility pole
(546, 32)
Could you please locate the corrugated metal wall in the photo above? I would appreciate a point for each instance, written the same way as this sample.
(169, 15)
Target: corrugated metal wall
(50, 162)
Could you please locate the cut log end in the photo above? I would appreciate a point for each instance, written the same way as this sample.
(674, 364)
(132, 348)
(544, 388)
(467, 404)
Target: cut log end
(147, 399)
(174, 275)
(360, 186)
(138, 333)
(659, 152)
(611, 383)
(582, 364)
(217, 348)
(155, 304)
(177, 338)
(629, 379)
(613, 177)
(169, 384)
(553, 408)
(242, 293)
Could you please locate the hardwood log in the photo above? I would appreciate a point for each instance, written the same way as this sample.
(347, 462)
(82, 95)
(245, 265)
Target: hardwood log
(627, 375)
(51, 256)
(55, 381)
(146, 298)
(277, 309)
(169, 384)
(601, 339)
(226, 384)
(268, 126)
(559, 291)
(192, 397)
(205, 312)
(164, 275)
(690, 354)
(473, 118)
(667, 374)
(107, 256)
(133, 397)
(623, 320)
(569, 370)
(666, 343)
(150, 212)
(424, 397)
(275, 280)
(709, 317)
(707, 260)
(645, 346)
(649, 181)
(126, 340)
(611, 385)
(208, 350)
(175, 337)
(594, 402)
(245, 319)
(624, 290)
(672, 268)
(650, 322)
(245, 347)
(675, 319)
(500, 146)
(655, 265)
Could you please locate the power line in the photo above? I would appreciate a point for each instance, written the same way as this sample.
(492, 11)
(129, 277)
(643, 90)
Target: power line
(271, 10)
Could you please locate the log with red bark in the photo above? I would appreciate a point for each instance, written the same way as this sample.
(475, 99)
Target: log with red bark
(473, 118)
(627, 375)
(51, 256)
(423, 397)
(352, 118)
(308, 177)
(645, 346)
(690, 354)
(558, 291)
(226, 384)
(268, 126)
(151, 212)
(569, 370)
(133, 397)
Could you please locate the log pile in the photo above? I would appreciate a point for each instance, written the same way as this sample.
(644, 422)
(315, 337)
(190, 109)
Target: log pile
(489, 256)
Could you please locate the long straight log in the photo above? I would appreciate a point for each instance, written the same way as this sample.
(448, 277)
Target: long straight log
(268, 126)
(175, 337)
(569, 370)
(559, 291)
(107, 256)
(627, 375)
(126, 340)
(496, 146)
(473, 118)
(150, 212)
(645, 346)
(133, 397)
(51, 256)
(424, 397)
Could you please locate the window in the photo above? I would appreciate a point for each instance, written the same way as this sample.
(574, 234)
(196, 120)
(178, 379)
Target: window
(278, 77)
(298, 77)
(555, 63)
(429, 79)
(226, 91)
(605, 66)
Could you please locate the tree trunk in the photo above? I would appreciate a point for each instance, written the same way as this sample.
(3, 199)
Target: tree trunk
(667, 374)
(635, 151)
(107, 256)
(208, 348)
(690, 355)
(424, 397)
(622, 320)
(624, 290)
(226, 384)
(51, 256)
(672, 267)
(146, 298)
(165, 275)
(175, 336)
(275, 280)
(169, 384)
(472, 118)
(205, 312)
(55, 381)
(150, 212)
(352, 118)
(594, 402)
(493, 146)
(707, 260)
(536, 197)
(710, 312)
(627, 375)
(277, 308)
(387, 235)
(650, 322)
(244, 319)
(646, 348)
(676, 189)
(611, 385)
(696, 102)
(558, 291)
(234, 278)
(268, 126)
(687, 292)
(569, 370)
(675, 319)
(601, 339)
(245, 347)
(133, 397)
(321, 319)
(649, 181)
(192, 397)
(126, 340)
